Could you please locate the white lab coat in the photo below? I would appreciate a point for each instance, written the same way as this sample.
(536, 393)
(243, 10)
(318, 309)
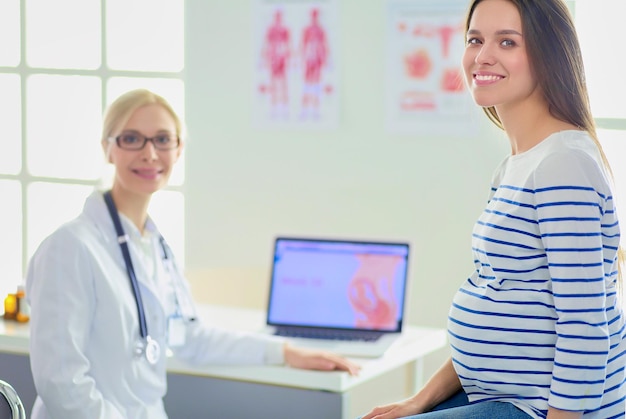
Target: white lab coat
(84, 325)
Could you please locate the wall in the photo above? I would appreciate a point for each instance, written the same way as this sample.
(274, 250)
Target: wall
(244, 185)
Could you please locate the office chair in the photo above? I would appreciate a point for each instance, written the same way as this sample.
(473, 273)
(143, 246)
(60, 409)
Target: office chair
(10, 404)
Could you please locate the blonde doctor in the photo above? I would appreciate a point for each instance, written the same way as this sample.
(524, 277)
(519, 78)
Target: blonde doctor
(107, 297)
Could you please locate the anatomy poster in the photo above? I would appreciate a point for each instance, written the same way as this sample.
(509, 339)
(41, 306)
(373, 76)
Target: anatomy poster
(296, 64)
(425, 91)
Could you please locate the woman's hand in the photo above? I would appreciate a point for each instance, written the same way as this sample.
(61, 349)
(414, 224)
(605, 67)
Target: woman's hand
(401, 409)
(318, 360)
(441, 386)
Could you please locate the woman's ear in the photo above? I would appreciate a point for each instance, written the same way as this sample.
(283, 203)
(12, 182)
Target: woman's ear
(179, 150)
(106, 149)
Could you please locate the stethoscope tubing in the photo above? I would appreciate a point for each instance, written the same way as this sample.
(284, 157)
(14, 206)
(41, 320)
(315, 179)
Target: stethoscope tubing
(122, 239)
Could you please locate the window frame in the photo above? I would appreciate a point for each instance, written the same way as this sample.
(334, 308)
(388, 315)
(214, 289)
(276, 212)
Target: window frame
(24, 177)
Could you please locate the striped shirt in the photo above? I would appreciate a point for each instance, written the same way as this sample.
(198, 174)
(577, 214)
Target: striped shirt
(539, 322)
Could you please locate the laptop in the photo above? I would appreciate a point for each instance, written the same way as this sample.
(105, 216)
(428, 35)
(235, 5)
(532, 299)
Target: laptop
(344, 296)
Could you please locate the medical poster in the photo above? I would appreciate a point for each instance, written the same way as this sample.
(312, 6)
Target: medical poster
(296, 64)
(425, 90)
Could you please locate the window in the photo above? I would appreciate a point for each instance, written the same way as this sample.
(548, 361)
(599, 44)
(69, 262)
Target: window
(599, 28)
(57, 75)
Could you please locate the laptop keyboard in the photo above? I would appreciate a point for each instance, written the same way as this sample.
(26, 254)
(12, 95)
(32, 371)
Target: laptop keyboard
(328, 334)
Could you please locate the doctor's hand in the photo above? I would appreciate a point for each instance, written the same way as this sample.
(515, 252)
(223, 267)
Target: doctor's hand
(318, 360)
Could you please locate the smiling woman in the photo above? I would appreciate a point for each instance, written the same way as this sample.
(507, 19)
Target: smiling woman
(84, 315)
(54, 85)
(537, 330)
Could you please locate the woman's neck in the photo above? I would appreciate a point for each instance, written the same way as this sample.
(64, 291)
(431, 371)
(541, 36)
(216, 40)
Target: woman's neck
(529, 123)
(133, 206)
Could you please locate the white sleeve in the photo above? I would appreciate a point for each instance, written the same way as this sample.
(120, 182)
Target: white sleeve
(575, 212)
(61, 296)
(209, 345)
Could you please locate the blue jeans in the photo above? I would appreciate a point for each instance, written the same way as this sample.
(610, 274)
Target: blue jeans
(457, 407)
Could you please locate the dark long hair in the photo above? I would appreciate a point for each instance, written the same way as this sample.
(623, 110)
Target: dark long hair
(556, 62)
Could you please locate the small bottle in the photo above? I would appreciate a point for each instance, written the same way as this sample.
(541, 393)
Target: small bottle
(10, 307)
(23, 309)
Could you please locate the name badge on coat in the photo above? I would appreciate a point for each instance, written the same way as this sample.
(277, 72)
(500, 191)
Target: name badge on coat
(175, 331)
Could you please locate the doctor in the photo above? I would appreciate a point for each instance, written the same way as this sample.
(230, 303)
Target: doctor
(107, 297)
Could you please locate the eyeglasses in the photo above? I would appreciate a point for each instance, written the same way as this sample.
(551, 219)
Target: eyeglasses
(136, 141)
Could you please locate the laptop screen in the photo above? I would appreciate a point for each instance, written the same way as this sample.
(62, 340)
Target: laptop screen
(338, 284)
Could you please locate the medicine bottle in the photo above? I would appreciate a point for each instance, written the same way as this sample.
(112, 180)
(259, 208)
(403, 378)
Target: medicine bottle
(10, 307)
(23, 309)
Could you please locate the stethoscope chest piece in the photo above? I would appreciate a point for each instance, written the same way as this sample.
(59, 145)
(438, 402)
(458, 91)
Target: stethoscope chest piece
(150, 348)
(153, 351)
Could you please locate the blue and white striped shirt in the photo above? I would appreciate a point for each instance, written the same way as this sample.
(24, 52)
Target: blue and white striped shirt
(539, 322)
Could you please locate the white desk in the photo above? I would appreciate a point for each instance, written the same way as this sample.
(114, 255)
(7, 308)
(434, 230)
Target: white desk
(258, 391)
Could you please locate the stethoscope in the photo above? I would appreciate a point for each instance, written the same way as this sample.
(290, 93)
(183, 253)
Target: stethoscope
(146, 345)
